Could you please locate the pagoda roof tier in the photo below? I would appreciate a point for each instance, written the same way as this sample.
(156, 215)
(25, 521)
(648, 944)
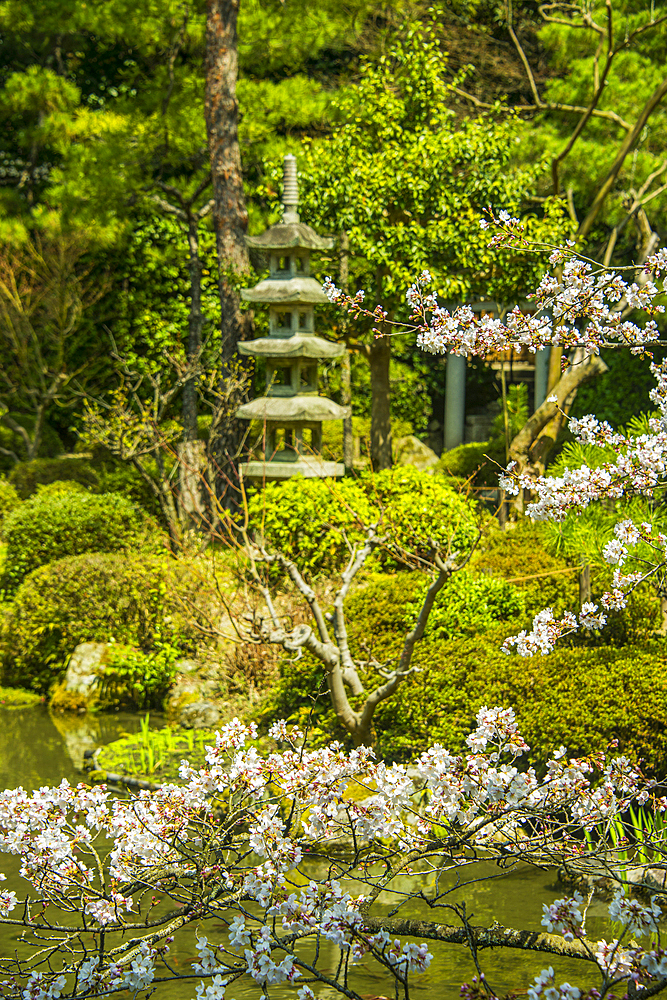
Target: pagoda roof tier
(290, 236)
(292, 408)
(296, 346)
(310, 467)
(291, 291)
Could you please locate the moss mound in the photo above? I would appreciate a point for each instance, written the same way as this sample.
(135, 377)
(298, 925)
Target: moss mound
(18, 698)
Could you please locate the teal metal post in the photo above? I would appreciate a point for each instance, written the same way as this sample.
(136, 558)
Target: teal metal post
(455, 400)
(541, 375)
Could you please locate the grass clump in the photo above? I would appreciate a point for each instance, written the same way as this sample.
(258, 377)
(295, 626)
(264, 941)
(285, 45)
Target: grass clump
(155, 754)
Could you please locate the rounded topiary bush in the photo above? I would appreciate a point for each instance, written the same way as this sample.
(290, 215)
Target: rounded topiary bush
(66, 523)
(9, 501)
(312, 520)
(580, 698)
(95, 597)
(27, 476)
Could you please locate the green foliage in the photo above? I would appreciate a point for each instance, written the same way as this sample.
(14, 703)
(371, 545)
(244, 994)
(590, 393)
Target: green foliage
(578, 698)
(115, 476)
(96, 597)
(575, 697)
(12, 441)
(18, 698)
(522, 555)
(424, 213)
(60, 486)
(52, 525)
(478, 461)
(27, 476)
(482, 461)
(134, 679)
(470, 606)
(9, 501)
(308, 519)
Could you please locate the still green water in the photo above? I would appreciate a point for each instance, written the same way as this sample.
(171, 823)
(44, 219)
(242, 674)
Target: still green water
(38, 749)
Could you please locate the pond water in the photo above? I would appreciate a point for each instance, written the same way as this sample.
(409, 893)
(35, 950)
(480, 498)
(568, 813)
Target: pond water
(39, 749)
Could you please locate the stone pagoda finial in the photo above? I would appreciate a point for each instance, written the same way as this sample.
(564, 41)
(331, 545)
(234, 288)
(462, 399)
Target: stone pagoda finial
(290, 190)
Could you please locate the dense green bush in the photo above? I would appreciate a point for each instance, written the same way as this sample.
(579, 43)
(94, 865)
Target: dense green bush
(381, 612)
(134, 679)
(9, 501)
(27, 476)
(52, 525)
(94, 598)
(470, 605)
(576, 697)
(521, 555)
(477, 459)
(309, 519)
(116, 476)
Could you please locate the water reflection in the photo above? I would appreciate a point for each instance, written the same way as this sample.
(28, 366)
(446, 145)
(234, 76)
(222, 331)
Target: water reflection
(37, 748)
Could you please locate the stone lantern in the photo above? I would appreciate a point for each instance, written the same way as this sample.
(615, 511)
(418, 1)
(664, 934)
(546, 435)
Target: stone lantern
(292, 411)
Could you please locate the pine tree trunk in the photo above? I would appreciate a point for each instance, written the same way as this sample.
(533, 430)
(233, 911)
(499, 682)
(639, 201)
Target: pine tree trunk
(229, 214)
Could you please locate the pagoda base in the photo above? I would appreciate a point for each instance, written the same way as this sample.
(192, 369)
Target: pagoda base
(310, 468)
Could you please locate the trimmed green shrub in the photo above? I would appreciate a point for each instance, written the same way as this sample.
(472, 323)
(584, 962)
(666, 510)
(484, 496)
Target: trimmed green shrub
(468, 460)
(308, 520)
(116, 476)
(470, 605)
(9, 501)
(59, 486)
(50, 526)
(575, 697)
(26, 476)
(578, 698)
(134, 679)
(520, 555)
(95, 597)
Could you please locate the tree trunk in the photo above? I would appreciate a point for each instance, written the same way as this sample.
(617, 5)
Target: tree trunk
(380, 356)
(346, 400)
(584, 583)
(531, 446)
(194, 331)
(191, 453)
(229, 214)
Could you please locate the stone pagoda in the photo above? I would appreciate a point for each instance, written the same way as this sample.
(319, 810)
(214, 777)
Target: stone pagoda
(292, 411)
